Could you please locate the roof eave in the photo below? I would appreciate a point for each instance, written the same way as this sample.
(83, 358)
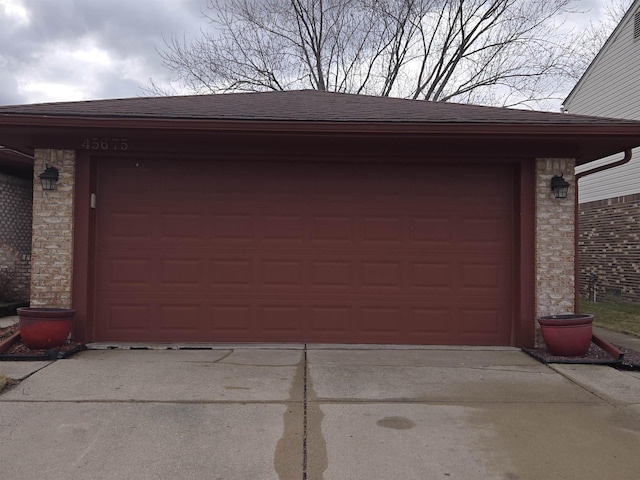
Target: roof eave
(472, 128)
(584, 140)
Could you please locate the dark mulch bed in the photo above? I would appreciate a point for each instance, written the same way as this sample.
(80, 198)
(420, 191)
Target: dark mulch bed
(7, 331)
(19, 351)
(595, 355)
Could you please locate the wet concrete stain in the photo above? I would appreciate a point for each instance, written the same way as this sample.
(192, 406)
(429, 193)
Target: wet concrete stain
(289, 454)
(570, 441)
(397, 423)
(317, 457)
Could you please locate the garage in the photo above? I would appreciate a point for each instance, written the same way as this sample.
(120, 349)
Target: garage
(218, 249)
(305, 216)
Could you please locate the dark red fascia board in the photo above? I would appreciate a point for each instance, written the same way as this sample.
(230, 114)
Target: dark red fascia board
(620, 135)
(621, 128)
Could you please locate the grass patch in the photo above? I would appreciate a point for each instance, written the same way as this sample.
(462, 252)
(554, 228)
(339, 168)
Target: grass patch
(620, 317)
(6, 382)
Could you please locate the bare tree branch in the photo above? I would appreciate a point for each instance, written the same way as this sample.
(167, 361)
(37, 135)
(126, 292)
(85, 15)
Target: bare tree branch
(500, 52)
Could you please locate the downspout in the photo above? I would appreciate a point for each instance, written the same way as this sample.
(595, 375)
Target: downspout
(576, 234)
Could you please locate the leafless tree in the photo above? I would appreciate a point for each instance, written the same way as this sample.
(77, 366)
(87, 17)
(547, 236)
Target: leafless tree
(498, 52)
(597, 32)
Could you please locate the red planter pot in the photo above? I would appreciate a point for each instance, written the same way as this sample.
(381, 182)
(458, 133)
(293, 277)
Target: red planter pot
(567, 335)
(45, 328)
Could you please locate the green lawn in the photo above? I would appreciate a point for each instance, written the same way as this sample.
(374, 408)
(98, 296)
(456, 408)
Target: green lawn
(620, 317)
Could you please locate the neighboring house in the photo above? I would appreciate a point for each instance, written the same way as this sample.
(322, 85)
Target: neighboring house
(305, 216)
(609, 247)
(16, 199)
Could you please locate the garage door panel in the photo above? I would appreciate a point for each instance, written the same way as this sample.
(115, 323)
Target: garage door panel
(382, 228)
(226, 318)
(331, 319)
(485, 321)
(128, 179)
(304, 252)
(227, 178)
(178, 182)
(432, 276)
(438, 230)
(182, 225)
(278, 319)
(125, 273)
(281, 227)
(483, 231)
(376, 319)
(179, 318)
(433, 321)
(231, 272)
(129, 226)
(181, 272)
(282, 272)
(124, 270)
(332, 273)
(487, 182)
(380, 274)
(126, 317)
(476, 276)
(331, 228)
(236, 227)
(483, 276)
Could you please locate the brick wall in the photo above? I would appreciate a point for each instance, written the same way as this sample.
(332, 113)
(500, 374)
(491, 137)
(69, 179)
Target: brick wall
(15, 212)
(15, 235)
(609, 247)
(52, 247)
(555, 241)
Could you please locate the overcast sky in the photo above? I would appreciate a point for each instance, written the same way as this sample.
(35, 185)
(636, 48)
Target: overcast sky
(67, 50)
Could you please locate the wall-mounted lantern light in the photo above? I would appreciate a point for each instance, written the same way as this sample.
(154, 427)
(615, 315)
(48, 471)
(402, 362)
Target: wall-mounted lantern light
(49, 177)
(559, 186)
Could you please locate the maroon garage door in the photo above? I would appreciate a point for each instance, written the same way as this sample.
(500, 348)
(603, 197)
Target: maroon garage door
(197, 251)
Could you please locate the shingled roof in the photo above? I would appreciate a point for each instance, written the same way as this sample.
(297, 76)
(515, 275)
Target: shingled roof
(314, 116)
(299, 106)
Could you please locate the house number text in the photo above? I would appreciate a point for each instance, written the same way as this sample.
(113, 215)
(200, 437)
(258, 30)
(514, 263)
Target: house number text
(96, 143)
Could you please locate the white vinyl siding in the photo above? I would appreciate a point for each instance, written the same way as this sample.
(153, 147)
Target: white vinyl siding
(615, 182)
(611, 88)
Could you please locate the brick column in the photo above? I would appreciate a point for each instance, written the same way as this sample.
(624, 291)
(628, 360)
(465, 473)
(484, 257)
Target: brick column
(16, 200)
(52, 242)
(555, 241)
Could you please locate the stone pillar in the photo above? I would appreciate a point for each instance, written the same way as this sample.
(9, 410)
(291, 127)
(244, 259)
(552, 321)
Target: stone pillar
(52, 242)
(555, 241)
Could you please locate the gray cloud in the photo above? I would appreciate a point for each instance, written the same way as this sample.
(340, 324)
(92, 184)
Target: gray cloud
(60, 50)
(88, 48)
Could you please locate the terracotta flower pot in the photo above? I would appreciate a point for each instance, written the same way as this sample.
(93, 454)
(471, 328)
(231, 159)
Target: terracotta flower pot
(45, 328)
(567, 335)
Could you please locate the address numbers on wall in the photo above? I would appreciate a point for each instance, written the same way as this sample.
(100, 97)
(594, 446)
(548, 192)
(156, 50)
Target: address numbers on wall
(104, 143)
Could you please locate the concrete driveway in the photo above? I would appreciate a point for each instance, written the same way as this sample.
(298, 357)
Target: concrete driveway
(321, 412)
